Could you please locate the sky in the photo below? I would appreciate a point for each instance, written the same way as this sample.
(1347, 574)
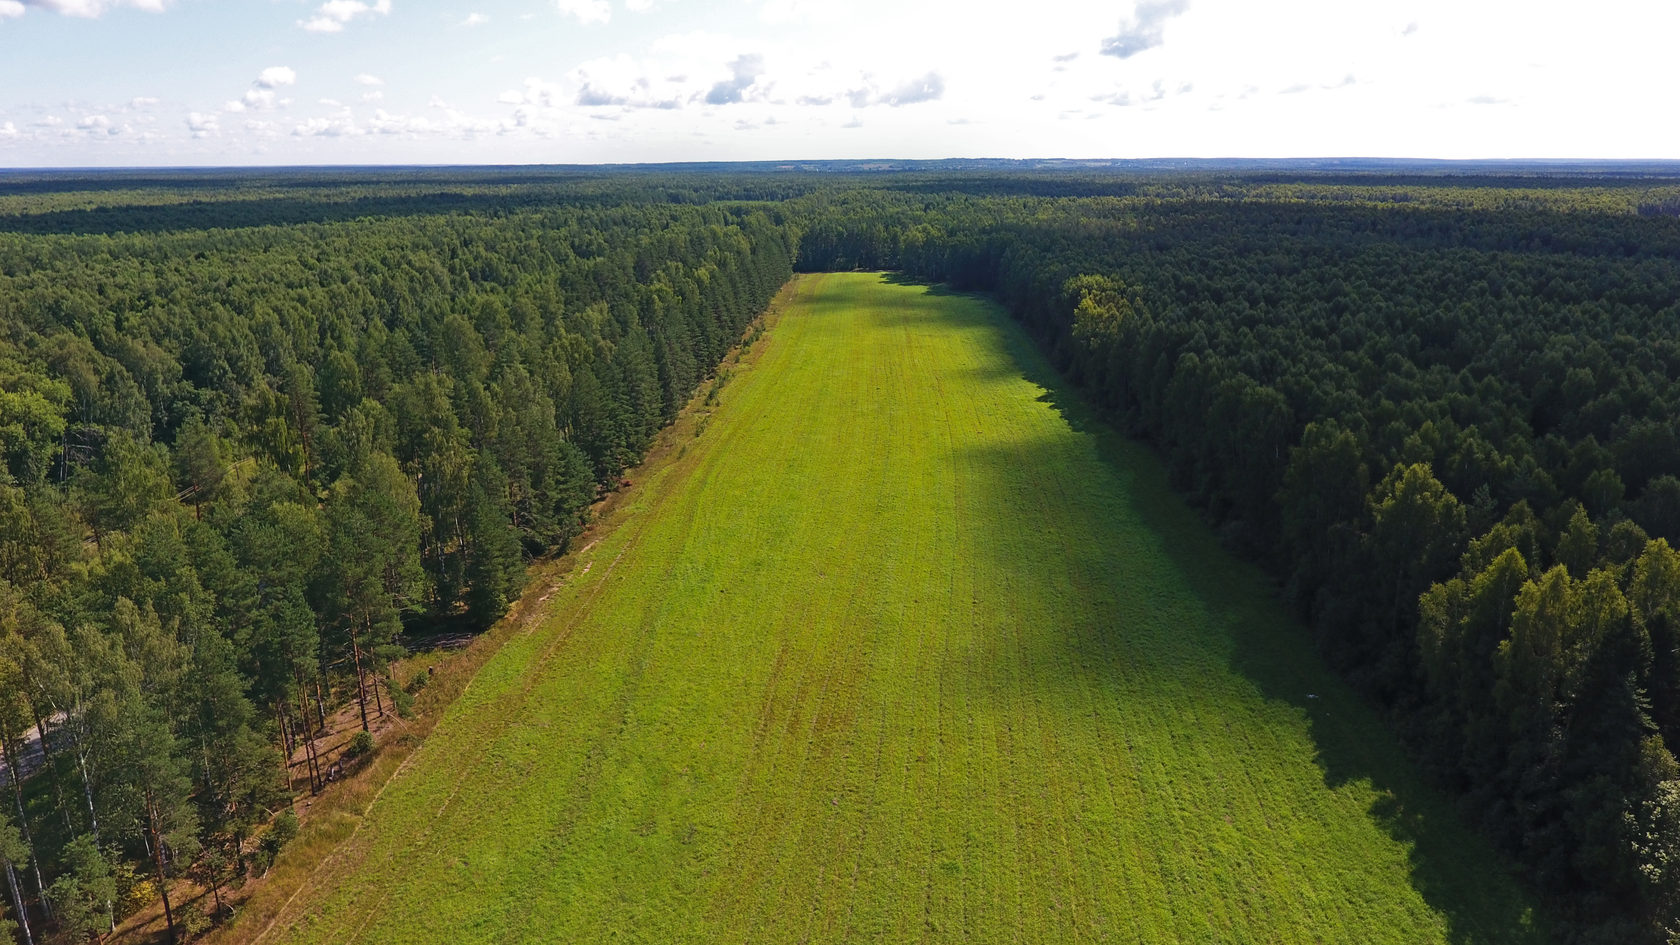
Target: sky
(88, 83)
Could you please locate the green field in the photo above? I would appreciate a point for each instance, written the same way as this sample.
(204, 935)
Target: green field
(906, 647)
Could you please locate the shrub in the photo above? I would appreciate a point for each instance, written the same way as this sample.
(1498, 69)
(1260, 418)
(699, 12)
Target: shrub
(360, 745)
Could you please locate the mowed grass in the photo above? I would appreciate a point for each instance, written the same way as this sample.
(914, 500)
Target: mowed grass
(905, 647)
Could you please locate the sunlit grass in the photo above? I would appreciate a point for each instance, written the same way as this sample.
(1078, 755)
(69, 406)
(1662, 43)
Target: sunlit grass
(905, 647)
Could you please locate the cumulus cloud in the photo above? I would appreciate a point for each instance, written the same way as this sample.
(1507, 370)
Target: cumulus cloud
(365, 79)
(338, 126)
(745, 70)
(275, 76)
(264, 91)
(621, 81)
(334, 15)
(586, 11)
(475, 19)
(9, 9)
(202, 125)
(8, 130)
(1145, 29)
(927, 88)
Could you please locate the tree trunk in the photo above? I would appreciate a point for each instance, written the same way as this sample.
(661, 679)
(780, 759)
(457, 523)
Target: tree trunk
(17, 903)
(307, 737)
(216, 891)
(87, 793)
(157, 860)
(377, 700)
(93, 823)
(286, 745)
(23, 820)
(312, 764)
(361, 681)
(40, 727)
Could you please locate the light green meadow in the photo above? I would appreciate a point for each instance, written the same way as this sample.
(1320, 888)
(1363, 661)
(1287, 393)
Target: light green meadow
(906, 647)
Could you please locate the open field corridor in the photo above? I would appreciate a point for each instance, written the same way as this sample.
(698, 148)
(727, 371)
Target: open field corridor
(903, 645)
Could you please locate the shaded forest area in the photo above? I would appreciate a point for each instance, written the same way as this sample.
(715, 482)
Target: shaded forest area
(1446, 419)
(254, 424)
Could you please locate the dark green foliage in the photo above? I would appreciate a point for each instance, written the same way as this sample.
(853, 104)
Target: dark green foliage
(360, 744)
(237, 463)
(1445, 418)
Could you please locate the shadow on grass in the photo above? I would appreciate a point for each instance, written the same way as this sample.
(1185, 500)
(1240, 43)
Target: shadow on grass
(1450, 865)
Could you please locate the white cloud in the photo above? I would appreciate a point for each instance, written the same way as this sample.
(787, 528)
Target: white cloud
(261, 100)
(338, 126)
(141, 101)
(365, 79)
(94, 123)
(263, 93)
(202, 125)
(475, 19)
(586, 11)
(744, 73)
(924, 88)
(619, 80)
(276, 76)
(1145, 29)
(374, 96)
(9, 9)
(8, 130)
(638, 6)
(335, 14)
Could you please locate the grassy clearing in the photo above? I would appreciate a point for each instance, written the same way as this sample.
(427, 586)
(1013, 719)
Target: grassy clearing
(904, 647)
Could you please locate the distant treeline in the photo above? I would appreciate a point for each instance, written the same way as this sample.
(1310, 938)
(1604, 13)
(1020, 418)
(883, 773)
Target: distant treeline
(237, 462)
(1452, 434)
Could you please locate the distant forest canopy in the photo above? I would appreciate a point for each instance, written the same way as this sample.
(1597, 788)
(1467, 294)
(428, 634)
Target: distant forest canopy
(255, 422)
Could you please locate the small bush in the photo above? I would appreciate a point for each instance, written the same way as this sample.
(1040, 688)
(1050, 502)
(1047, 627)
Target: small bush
(418, 681)
(402, 700)
(283, 831)
(360, 745)
(133, 893)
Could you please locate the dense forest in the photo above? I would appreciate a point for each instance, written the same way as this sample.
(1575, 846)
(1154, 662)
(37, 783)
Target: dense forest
(1446, 419)
(256, 427)
(239, 461)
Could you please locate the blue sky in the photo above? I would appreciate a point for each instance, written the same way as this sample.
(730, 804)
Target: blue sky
(229, 82)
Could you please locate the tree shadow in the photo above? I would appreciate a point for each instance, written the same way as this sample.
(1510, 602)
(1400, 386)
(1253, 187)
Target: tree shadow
(1456, 872)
